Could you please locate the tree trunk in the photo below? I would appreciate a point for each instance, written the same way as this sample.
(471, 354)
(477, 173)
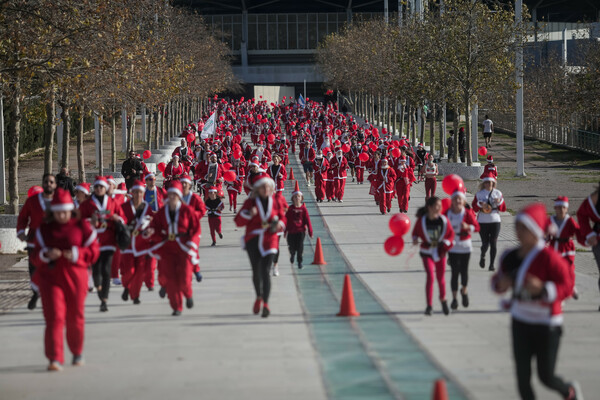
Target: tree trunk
(432, 131)
(401, 132)
(49, 131)
(12, 149)
(162, 124)
(80, 132)
(442, 120)
(113, 141)
(149, 129)
(422, 121)
(455, 126)
(157, 121)
(468, 130)
(100, 149)
(66, 119)
(395, 116)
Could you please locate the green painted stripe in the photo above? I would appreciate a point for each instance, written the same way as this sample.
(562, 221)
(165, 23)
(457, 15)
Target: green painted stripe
(372, 356)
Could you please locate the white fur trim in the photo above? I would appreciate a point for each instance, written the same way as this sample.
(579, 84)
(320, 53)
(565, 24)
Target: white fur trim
(458, 193)
(82, 189)
(176, 191)
(138, 187)
(75, 254)
(62, 207)
(101, 183)
(489, 179)
(530, 224)
(561, 204)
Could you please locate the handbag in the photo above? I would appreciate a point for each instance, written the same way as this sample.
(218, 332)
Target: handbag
(122, 235)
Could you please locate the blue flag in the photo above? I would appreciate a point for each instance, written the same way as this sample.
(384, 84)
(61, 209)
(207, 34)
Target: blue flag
(301, 101)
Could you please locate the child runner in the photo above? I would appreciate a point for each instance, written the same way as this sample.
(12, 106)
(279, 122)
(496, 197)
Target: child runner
(560, 239)
(430, 170)
(436, 236)
(298, 223)
(215, 206)
(464, 223)
(540, 280)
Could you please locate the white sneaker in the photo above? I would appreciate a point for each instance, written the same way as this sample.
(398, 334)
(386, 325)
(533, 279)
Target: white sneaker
(275, 270)
(308, 183)
(116, 281)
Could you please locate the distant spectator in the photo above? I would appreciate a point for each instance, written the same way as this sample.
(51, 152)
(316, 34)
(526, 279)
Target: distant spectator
(461, 144)
(132, 169)
(488, 130)
(64, 181)
(450, 145)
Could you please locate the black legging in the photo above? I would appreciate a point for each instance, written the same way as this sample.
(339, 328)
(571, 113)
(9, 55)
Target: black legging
(459, 264)
(596, 251)
(295, 243)
(541, 341)
(489, 233)
(31, 268)
(101, 273)
(276, 255)
(261, 268)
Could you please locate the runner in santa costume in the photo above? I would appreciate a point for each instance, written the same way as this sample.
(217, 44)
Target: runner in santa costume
(82, 193)
(307, 156)
(405, 177)
(320, 168)
(174, 228)
(359, 167)
(235, 188)
(564, 228)
(215, 206)
(488, 203)
(588, 216)
(430, 171)
(339, 165)
(137, 214)
(195, 202)
(155, 197)
(540, 280)
(263, 215)
(437, 236)
(173, 171)
(103, 212)
(117, 194)
(386, 177)
(185, 153)
(373, 168)
(330, 177)
(297, 224)
(212, 174)
(464, 224)
(278, 173)
(63, 249)
(264, 155)
(490, 168)
(30, 218)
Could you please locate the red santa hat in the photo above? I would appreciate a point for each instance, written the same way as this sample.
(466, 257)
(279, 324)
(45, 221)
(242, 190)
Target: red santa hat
(83, 187)
(175, 157)
(420, 145)
(561, 201)
(111, 179)
(488, 177)
(534, 217)
(261, 179)
(186, 178)
(490, 159)
(61, 201)
(149, 175)
(122, 186)
(459, 193)
(138, 185)
(101, 181)
(212, 189)
(176, 188)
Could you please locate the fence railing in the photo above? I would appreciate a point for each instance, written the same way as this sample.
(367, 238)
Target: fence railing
(552, 130)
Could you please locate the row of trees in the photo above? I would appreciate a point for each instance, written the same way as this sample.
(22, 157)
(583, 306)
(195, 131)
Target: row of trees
(452, 56)
(97, 56)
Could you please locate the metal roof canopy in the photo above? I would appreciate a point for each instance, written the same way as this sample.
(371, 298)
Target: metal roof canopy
(547, 10)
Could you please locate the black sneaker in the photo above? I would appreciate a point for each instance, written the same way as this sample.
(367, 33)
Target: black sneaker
(220, 235)
(125, 295)
(428, 311)
(103, 307)
(482, 262)
(292, 259)
(151, 289)
(465, 299)
(136, 301)
(445, 307)
(454, 304)
(266, 311)
(213, 244)
(492, 268)
(33, 301)
(162, 292)
(78, 361)
(300, 266)
(189, 303)
(176, 313)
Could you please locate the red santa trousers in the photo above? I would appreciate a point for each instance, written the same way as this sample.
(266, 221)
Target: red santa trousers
(133, 271)
(178, 271)
(319, 187)
(63, 298)
(340, 185)
(232, 198)
(360, 174)
(149, 272)
(329, 189)
(403, 193)
(439, 269)
(430, 185)
(385, 201)
(214, 223)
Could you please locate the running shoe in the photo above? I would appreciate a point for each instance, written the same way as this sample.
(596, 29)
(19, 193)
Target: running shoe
(257, 304)
(103, 307)
(292, 259)
(125, 295)
(300, 265)
(116, 281)
(492, 268)
(575, 392)
(266, 311)
(213, 244)
(176, 313)
(465, 299)
(54, 366)
(428, 311)
(78, 361)
(136, 301)
(162, 292)
(454, 304)
(482, 262)
(445, 307)
(220, 235)
(275, 270)
(33, 301)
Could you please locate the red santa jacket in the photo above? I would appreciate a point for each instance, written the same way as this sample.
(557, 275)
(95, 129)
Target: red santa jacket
(185, 154)
(259, 224)
(489, 168)
(435, 248)
(589, 221)
(320, 168)
(209, 173)
(264, 158)
(548, 266)
(386, 179)
(76, 235)
(31, 216)
(298, 220)
(561, 242)
(339, 165)
(180, 234)
(279, 175)
(139, 245)
(196, 203)
(172, 172)
(105, 227)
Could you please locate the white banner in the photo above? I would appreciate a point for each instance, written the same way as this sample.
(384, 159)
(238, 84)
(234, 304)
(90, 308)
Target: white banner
(209, 127)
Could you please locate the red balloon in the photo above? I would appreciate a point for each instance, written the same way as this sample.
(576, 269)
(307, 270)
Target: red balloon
(399, 224)
(373, 146)
(396, 153)
(364, 157)
(394, 245)
(446, 202)
(271, 138)
(482, 151)
(365, 148)
(237, 154)
(261, 137)
(161, 166)
(354, 127)
(227, 166)
(191, 137)
(337, 143)
(338, 132)
(375, 132)
(146, 154)
(346, 148)
(221, 118)
(452, 183)
(34, 190)
(229, 176)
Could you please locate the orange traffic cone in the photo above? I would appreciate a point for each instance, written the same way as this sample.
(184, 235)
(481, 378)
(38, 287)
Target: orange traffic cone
(347, 307)
(296, 188)
(319, 259)
(291, 175)
(439, 390)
